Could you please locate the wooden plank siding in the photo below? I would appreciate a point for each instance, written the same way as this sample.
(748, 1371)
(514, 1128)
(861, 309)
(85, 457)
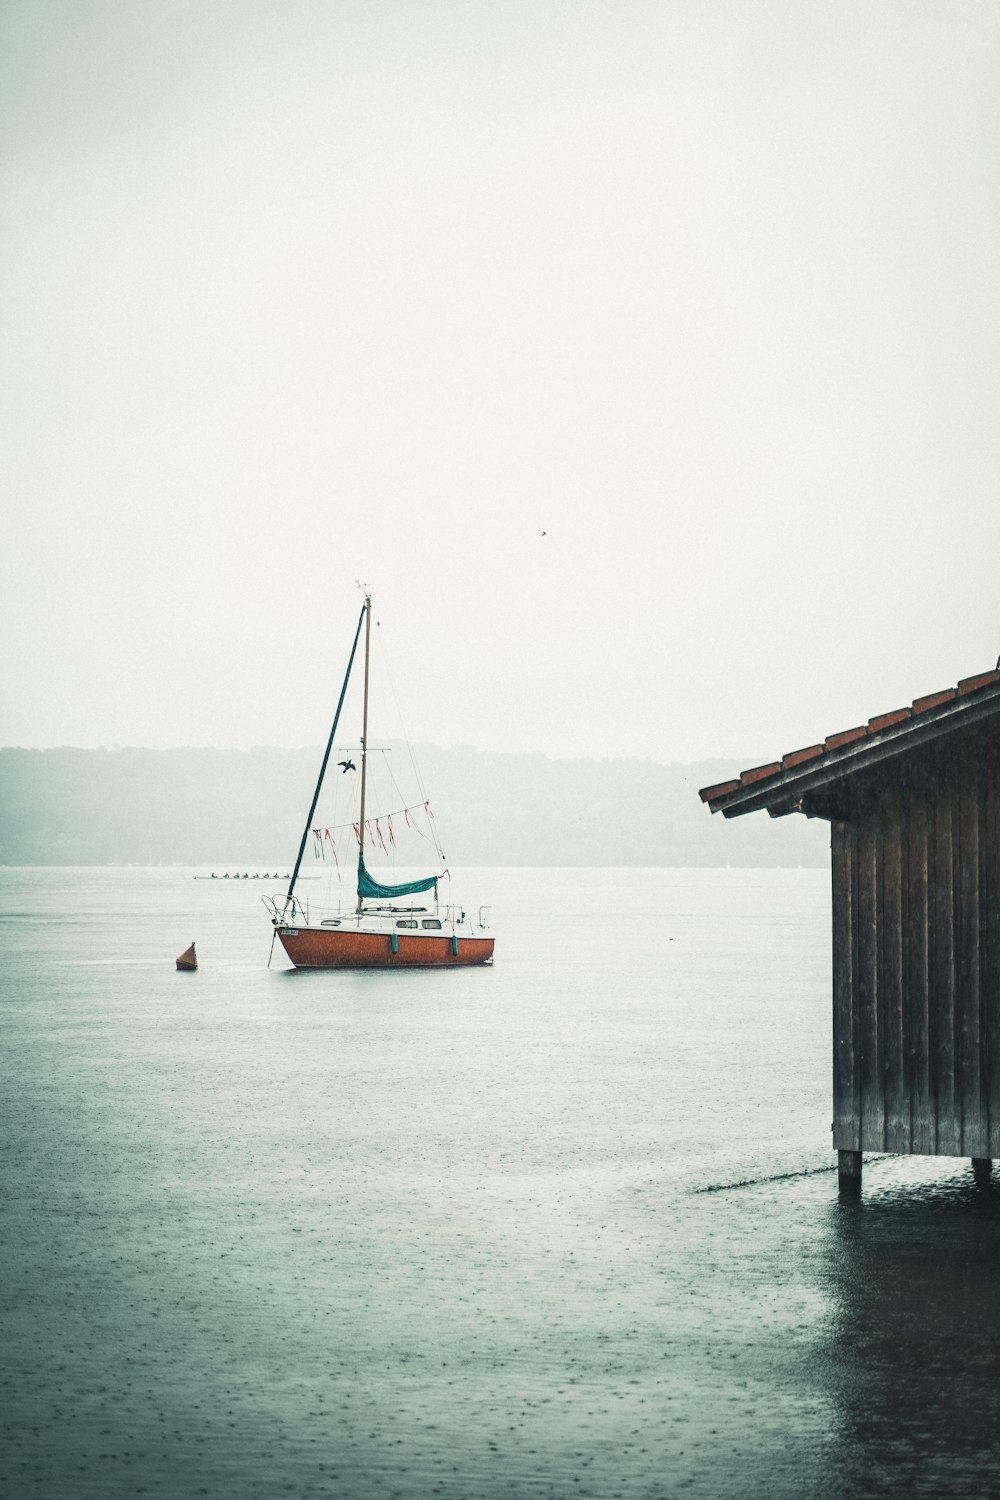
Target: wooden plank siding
(942, 964)
(890, 960)
(922, 1099)
(989, 974)
(968, 1071)
(916, 953)
(871, 1085)
(846, 1106)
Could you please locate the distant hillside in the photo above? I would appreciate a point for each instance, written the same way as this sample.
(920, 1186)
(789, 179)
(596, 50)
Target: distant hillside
(226, 807)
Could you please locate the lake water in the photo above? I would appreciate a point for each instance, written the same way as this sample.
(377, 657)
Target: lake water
(566, 1226)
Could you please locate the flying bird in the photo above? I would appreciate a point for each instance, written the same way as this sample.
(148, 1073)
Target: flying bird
(348, 765)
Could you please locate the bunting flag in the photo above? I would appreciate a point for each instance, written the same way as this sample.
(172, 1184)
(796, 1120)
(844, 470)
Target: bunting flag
(357, 832)
(317, 844)
(381, 840)
(333, 848)
(392, 836)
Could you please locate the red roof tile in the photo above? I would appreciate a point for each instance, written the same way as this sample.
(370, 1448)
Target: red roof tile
(934, 699)
(709, 793)
(970, 684)
(796, 757)
(886, 721)
(845, 737)
(757, 773)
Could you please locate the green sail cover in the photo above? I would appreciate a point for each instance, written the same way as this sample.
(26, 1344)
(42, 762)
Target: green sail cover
(371, 888)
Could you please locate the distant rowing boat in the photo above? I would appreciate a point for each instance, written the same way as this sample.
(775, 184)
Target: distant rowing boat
(275, 876)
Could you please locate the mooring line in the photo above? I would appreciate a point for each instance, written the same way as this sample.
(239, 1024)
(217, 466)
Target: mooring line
(728, 1187)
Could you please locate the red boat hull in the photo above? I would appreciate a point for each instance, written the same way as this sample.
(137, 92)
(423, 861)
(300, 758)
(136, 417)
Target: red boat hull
(311, 948)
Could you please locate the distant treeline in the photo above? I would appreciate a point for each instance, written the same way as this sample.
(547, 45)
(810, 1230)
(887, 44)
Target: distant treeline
(226, 807)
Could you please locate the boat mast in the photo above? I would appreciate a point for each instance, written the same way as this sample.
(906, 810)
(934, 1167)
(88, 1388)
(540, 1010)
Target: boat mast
(364, 740)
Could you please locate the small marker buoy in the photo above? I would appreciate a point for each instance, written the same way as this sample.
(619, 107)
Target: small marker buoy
(188, 959)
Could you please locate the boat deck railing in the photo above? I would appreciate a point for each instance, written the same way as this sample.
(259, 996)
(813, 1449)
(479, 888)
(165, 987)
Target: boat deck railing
(291, 910)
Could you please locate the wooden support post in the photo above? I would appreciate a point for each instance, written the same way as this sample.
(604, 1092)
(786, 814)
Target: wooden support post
(982, 1166)
(849, 1173)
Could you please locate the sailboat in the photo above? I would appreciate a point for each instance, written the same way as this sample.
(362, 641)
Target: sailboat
(384, 929)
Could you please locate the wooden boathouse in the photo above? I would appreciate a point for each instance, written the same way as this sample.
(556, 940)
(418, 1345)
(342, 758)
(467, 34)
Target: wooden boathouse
(913, 802)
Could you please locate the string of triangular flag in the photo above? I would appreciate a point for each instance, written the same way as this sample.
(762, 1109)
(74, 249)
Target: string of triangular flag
(373, 829)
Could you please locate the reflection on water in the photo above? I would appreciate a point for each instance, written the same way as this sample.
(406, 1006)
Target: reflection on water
(913, 1358)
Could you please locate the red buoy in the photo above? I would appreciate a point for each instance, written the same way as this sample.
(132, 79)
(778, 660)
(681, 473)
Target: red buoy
(188, 959)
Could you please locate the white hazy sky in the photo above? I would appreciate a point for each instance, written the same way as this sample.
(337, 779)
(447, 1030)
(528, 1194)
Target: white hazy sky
(301, 291)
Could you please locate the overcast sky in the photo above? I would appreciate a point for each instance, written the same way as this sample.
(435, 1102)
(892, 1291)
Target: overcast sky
(643, 358)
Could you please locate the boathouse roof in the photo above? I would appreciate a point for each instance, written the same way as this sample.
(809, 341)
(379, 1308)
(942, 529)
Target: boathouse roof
(807, 780)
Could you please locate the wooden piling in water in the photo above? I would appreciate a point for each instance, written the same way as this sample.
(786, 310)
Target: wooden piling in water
(849, 1172)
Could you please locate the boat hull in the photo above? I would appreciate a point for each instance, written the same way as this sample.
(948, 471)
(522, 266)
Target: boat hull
(318, 948)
